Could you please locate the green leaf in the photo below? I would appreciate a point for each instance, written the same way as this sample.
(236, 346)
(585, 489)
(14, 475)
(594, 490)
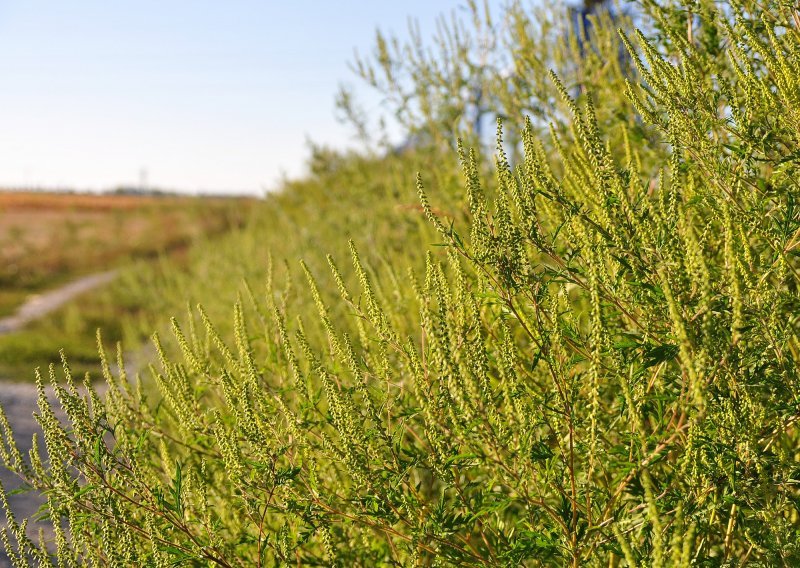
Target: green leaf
(540, 452)
(460, 459)
(659, 354)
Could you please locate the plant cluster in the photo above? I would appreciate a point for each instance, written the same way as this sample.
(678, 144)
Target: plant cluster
(597, 366)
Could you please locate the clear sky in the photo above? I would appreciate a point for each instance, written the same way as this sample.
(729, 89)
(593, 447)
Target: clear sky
(202, 95)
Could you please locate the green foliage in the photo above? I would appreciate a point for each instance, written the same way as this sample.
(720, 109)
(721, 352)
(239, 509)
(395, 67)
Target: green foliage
(596, 366)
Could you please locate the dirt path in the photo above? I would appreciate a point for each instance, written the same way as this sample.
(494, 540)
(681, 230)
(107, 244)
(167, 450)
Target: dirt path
(42, 304)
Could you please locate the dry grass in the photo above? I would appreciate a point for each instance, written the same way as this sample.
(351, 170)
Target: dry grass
(24, 200)
(46, 238)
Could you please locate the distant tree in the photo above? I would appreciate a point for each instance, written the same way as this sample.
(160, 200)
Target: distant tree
(478, 67)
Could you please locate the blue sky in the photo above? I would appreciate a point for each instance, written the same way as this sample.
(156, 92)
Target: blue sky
(215, 96)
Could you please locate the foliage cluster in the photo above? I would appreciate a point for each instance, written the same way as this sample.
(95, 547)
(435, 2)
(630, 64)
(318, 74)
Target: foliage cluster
(597, 366)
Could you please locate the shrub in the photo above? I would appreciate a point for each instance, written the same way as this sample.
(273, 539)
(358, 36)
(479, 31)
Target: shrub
(597, 367)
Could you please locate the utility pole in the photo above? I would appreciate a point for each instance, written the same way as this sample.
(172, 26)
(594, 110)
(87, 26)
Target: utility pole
(143, 180)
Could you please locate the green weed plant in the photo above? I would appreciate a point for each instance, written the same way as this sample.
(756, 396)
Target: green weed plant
(585, 354)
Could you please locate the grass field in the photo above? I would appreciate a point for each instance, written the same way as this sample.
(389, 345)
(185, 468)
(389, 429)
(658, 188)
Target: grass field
(47, 239)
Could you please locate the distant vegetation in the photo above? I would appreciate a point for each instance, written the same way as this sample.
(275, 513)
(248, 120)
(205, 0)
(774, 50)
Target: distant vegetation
(50, 236)
(581, 351)
(47, 239)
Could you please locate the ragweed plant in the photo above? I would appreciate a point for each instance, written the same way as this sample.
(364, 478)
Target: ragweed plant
(597, 366)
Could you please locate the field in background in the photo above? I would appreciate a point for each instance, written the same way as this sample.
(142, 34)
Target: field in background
(48, 239)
